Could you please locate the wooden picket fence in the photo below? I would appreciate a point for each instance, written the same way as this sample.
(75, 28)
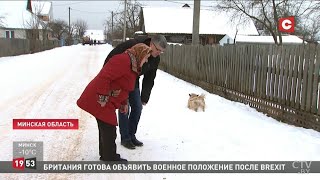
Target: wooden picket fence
(14, 47)
(281, 81)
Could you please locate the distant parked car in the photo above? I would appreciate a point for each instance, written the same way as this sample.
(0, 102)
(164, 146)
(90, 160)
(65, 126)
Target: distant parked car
(87, 40)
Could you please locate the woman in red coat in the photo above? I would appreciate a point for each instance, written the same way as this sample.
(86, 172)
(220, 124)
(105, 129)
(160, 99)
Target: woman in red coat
(109, 91)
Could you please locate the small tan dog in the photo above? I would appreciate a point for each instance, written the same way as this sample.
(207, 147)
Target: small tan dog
(196, 102)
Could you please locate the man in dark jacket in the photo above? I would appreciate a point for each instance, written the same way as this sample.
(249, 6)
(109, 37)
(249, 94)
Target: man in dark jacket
(129, 122)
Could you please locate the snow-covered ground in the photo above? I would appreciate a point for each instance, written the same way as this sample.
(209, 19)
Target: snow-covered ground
(47, 84)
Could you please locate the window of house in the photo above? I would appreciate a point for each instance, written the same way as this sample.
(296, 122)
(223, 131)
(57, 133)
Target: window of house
(12, 34)
(9, 34)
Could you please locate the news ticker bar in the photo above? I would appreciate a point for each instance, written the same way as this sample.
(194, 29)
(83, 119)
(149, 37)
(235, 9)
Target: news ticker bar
(166, 167)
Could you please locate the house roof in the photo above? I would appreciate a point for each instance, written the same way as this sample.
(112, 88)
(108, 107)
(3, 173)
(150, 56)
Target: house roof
(180, 20)
(16, 16)
(268, 39)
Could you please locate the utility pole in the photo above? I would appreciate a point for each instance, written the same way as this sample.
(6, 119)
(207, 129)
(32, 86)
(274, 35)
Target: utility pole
(196, 19)
(69, 23)
(124, 21)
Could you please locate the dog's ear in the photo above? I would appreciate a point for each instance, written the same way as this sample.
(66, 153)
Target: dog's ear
(189, 95)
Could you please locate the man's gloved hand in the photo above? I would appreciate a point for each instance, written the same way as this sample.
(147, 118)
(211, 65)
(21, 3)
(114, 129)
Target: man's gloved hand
(124, 109)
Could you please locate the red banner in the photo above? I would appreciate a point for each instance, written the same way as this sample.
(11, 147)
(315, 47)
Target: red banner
(45, 124)
(18, 163)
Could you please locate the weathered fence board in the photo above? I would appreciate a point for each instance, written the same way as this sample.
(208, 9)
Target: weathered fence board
(290, 74)
(264, 71)
(305, 79)
(310, 78)
(13, 47)
(300, 76)
(315, 92)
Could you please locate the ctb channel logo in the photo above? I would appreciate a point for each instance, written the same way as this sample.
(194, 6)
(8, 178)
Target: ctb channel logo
(286, 24)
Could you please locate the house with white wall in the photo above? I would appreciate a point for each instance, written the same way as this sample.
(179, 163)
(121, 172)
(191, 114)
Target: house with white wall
(20, 23)
(177, 23)
(241, 39)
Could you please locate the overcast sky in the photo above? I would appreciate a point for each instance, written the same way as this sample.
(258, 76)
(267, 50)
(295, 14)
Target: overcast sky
(96, 12)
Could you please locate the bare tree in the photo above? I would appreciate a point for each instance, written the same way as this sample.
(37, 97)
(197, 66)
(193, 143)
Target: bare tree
(77, 30)
(80, 26)
(110, 24)
(58, 27)
(117, 24)
(109, 28)
(36, 27)
(309, 28)
(133, 17)
(71, 34)
(315, 29)
(266, 13)
(36, 24)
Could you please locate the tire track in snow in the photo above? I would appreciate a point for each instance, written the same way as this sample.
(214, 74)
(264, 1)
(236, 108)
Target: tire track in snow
(27, 106)
(73, 152)
(20, 107)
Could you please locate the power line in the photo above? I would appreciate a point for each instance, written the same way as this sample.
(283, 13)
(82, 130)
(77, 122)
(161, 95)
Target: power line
(68, 4)
(177, 2)
(89, 11)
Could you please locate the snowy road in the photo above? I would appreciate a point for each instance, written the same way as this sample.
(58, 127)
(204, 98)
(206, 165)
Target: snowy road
(53, 96)
(47, 84)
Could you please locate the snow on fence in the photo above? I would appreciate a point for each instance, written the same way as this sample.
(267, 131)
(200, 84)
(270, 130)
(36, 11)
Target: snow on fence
(281, 81)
